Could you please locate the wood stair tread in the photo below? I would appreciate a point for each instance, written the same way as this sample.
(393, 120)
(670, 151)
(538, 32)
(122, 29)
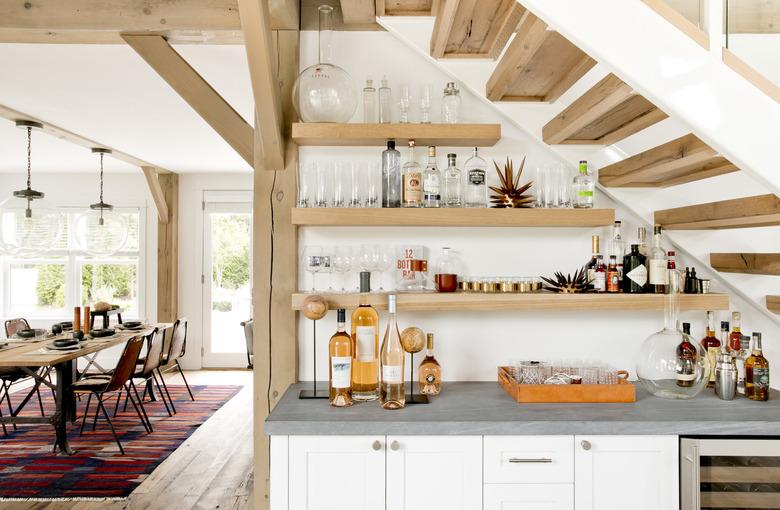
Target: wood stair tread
(405, 7)
(746, 263)
(679, 161)
(756, 211)
(773, 303)
(473, 28)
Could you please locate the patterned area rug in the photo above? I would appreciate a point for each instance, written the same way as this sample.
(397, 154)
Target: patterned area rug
(29, 470)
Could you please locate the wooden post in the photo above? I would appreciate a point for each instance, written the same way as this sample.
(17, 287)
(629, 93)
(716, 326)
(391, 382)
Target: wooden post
(168, 252)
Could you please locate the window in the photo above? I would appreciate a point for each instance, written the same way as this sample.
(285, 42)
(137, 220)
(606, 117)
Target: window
(50, 287)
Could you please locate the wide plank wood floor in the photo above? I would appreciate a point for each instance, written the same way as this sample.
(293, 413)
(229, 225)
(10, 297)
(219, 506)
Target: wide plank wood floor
(212, 469)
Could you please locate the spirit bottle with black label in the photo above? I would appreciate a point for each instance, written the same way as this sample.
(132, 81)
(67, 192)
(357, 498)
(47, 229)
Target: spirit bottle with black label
(635, 271)
(476, 183)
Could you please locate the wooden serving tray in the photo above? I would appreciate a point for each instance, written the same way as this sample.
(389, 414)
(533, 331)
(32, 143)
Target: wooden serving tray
(623, 392)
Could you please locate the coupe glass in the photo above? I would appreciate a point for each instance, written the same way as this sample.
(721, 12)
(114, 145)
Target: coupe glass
(312, 263)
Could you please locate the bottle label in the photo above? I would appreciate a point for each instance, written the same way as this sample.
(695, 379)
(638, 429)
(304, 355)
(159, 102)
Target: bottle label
(430, 378)
(613, 282)
(392, 374)
(477, 177)
(585, 193)
(658, 273)
(365, 343)
(412, 187)
(712, 354)
(638, 275)
(761, 378)
(600, 281)
(686, 376)
(340, 371)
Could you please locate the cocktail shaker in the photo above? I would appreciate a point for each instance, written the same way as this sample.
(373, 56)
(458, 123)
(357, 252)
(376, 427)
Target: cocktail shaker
(726, 376)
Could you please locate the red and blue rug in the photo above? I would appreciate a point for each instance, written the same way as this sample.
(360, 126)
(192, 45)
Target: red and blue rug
(29, 470)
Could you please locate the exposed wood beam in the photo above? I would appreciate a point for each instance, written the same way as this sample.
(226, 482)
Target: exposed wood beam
(284, 14)
(262, 58)
(168, 252)
(407, 7)
(69, 136)
(196, 92)
(684, 17)
(773, 303)
(473, 28)
(358, 12)
(757, 211)
(748, 263)
(158, 195)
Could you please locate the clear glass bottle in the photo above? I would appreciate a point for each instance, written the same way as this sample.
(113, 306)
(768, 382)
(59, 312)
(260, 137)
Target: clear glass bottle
(476, 181)
(365, 339)
(757, 372)
(447, 270)
(658, 275)
(453, 184)
(641, 235)
(430, 371)
(340, 353)
(617, 247)
(391, 388)
(450, 104)
(711, 345)
(431, 181)
(735, 337)
(369, 103)
(584, 186)
(391, 176)
(412, 179)
(385, 103)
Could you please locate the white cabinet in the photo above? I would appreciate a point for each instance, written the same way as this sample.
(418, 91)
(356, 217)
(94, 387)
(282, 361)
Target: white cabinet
(428, 472)
(529, 497)
(529, 459)
(619, 472)
(336, 472)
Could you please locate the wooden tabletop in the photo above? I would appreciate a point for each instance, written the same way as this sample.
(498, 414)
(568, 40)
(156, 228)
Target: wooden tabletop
(30, 353)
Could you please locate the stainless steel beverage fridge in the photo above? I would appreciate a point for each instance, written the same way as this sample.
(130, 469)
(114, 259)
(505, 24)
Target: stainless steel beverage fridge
(729, 473)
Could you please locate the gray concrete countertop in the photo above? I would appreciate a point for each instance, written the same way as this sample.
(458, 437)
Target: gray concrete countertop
(484, 408)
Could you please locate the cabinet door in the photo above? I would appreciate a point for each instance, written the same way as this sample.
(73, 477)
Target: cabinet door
(337, 472)
(427, 472)
(619, 472)
(529, 496)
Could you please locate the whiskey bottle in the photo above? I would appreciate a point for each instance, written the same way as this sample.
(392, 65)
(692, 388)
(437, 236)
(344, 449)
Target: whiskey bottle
(431, 181)
(635, 277)
(365, 341)
(430, 371)
(613, 275)
(590, 267)
(476, 182)
(658, 275)
(453, 184)
(757, 372)
(735, 338)
(391, 176)
(340, 353)
(686, 359)
(671, 267)
(712, 345)
(411, 175)
(600, 275)
(391, 387)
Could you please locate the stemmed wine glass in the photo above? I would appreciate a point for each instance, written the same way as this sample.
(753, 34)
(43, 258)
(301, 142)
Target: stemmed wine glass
(313, 262)
(327, 266)
(385, 263)
(342, 263)
(369, 257)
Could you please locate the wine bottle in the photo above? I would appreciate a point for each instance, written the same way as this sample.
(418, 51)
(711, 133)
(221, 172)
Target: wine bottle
(340, 353)
(391, 387)
(365, 339)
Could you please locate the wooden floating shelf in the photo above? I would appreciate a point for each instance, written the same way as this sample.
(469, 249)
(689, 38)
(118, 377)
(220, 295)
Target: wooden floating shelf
(434, 301)
(685, 159)
(607, 113)
(773, 303)
(454, 217)
(757, 211)
(539, 65)
(377, 135)
(747, 263)
(471, 29)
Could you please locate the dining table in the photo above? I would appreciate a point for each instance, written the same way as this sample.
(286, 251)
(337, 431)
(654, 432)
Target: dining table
(37, 358)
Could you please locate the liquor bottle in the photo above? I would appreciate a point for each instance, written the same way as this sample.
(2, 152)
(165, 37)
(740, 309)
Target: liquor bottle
(757, 372)
(671, 266)
(385, 102)
(617, 248)
(583, 187)
(369, 103)
(431, 181)
(340, 351)
(687, 281)
(658, 275)
(453, 184)
(365, 340)
(712, 345)
(686, 359)
(391, 176)
(391, 387)
(642, 241)
(735, 338)
(695, 282)
(613, 275)
(411, 174)
(476, 182)
(590, 267)
(430, 371)
(600, 275)
(742, 356)
(635, 277)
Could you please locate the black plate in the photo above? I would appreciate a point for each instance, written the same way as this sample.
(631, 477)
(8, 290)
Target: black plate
(65, 343)
(132, 324)
(25, 333)
(97, 333)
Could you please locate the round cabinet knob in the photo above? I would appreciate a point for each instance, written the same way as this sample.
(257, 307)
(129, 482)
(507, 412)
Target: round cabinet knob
(395, 446)
(377, 445)
(585, 445)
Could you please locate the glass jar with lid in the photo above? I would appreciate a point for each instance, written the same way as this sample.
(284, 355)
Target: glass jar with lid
(447, 269)
(450, 104)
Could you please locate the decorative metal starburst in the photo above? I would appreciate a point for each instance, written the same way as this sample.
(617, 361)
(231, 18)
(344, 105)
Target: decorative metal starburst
(510, 194)
(577, 284)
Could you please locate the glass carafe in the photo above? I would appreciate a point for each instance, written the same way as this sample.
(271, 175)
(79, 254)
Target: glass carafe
(447, 270)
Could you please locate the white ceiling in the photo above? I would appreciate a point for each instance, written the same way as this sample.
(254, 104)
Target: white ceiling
(109, 94)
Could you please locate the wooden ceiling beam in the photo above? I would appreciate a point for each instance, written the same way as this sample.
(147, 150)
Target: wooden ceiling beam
(206, 101)
(158, 195)
(358, 12)
(757, 211)
(747, 263)
(266, 87)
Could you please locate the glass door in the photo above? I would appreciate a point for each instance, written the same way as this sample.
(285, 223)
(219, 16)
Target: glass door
(227, 282)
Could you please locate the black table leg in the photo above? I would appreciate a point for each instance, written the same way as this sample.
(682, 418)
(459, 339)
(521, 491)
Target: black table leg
(66, 405)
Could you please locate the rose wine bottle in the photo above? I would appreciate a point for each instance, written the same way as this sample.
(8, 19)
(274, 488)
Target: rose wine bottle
(391, 387)
(340, 353)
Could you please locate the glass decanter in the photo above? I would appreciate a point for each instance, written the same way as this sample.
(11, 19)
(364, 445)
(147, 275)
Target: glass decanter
(671, 364)
(325, 92)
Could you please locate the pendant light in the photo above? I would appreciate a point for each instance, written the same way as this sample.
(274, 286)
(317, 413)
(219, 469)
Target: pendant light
(100, 231)
(27, 227)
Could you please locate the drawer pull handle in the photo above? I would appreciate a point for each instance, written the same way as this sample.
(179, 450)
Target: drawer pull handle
(377, 445)
(395, 446)
(585, 445)
(542, 460)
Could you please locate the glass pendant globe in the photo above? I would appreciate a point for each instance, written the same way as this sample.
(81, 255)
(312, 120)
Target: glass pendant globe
(100, 238)
(28, 229)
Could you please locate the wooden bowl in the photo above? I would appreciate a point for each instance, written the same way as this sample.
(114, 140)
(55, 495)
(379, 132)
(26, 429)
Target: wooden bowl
(315, 307)
(413, 339)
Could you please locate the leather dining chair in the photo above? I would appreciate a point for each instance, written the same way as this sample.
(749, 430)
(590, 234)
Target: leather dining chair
(146, 373)
(176, 350)
(15, 375)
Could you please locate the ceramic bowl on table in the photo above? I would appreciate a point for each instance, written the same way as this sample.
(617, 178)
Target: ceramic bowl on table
(132, 325)
(30, 334)
(101, 333)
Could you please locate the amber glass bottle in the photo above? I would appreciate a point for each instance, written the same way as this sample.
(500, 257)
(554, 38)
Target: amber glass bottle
(340, 354)
(711, 344)
(365, 342)
(735, 339)
(757, 372)
(430, 371)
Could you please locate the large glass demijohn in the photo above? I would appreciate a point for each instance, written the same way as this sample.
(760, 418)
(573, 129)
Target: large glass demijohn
(325, 92)
(671, 364)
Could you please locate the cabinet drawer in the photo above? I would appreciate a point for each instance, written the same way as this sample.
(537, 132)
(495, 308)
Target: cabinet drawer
(529, 459)
(529, 496)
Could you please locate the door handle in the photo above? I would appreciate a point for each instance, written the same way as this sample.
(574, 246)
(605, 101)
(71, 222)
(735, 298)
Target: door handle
(541, 460)
(395, 446)
(376, 446)
(586, 445)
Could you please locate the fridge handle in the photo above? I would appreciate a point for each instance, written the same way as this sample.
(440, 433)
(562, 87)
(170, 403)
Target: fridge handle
(695, 476)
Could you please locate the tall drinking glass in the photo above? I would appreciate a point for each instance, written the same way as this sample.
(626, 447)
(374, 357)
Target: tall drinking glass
(404, 103)
(304, 175)
(373, 173)
(426, 100)
(321, 194)
(355, 199)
